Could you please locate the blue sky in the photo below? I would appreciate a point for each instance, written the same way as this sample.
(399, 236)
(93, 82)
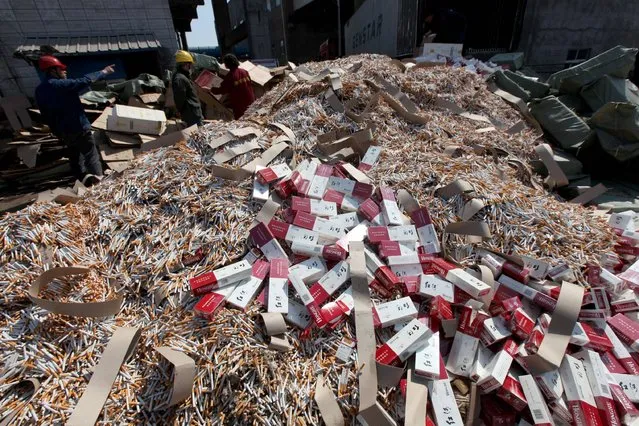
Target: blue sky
(203, 28)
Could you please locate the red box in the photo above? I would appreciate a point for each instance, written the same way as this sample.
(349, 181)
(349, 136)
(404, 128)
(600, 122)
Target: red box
(626, 329)
(208, 305)
(512, 393)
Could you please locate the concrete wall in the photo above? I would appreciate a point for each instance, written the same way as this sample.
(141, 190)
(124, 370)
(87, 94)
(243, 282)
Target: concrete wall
(27, 18)
(552, 27)
(257, 16)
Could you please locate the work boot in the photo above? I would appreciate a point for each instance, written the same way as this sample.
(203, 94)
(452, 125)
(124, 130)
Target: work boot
(90, 180)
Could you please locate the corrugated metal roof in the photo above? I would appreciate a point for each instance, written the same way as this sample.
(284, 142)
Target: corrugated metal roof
(82, 45)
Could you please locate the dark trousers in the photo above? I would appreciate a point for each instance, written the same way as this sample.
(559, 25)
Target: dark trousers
(83, 154)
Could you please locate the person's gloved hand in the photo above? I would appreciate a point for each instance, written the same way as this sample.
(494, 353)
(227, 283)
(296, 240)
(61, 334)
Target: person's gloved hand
(109, 70)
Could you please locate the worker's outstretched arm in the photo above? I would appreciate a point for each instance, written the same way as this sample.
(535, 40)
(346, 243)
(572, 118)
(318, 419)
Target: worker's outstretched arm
(79, 85)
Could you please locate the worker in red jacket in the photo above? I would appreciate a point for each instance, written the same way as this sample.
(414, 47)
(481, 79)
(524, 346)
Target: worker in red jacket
(237, 84)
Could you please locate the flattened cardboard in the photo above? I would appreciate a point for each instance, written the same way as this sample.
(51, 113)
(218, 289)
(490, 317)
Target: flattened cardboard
(183, 373)
(328, 406)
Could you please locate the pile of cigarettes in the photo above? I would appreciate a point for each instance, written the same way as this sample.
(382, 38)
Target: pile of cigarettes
(532, 322)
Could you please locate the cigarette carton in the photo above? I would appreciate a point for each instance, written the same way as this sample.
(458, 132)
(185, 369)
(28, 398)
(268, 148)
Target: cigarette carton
(427, 358)
(426, 230)
(393, 312)
(432, 286)
(460, 278)
(538, 408)
(271, 174)
(379, 269)
(597, 377)
(350, 187)
(309, 270)
(403, 344)
(326, 228)
(494, 330)
(330, 282)
(278, 286)
(307, 299)
(332, 253)
(260, 190)
(370, 158)
(356, 234)
(498, 368)
(314, 207)
(546, 302)
(387, 249)
(626, 329)
(512, 393)
(620, 352)
(629, 384)
(266, 242)
(292, 233)
(298, 315)
(390, 209)
(246, 290)
(404, 233)
(445, 407)
(346, 221)
(581, 401)
(462, 353)
(221, 277)
(343, 201)
(371, 211)
(320, 181)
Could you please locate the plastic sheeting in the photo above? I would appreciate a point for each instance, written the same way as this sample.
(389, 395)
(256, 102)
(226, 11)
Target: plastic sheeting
(561, 122)
(610, 89)
(535, 88)
(143, 83)
(510, 86)
(617, 126)
(616, 62)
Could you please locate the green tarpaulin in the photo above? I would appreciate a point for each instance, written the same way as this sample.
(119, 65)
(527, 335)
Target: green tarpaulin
(560, 122)
(610, 89)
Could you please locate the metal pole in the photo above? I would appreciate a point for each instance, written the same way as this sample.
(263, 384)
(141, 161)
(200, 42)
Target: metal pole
(339, 29)
(284, 31)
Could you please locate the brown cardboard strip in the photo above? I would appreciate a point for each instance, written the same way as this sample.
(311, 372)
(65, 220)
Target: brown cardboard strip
(360, 118)
(247, 170)
(553, 346)
(519, 103)
(355, 173)
(270, 207)
(450, 106)
(590, 194)
(170, 139)
(471, 208)
(183, 373)
(518, 127)
(120, 347)
(274, 323)
(287, 131)
(28, 387)
(89, 309)
(407, 201)
(411, 117)
(416, 397)
(375, 415)
(478, 229)
(455, 188)
(453, 151)
(336, 82)
(358, 141)
(556, 176)
(245, 131)
(388, 376)
(333, 135)
(222, 140)
(488, 278)
(472, 416)
(334, 101)
(364, 329)
(328, 406)
(230, 153)
(279, 343)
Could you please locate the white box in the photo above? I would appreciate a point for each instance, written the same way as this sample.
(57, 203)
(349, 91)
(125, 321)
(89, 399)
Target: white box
(343, 201)
(298, 315)
(209, 281)
(393, 312)
(629, 384)
(278, 286)
(598, 378)
(128, 119)
(403, 233)
(407, 270)
(246, 290)
(390, 209)
(356, 234)
(350, 187)
(620, 352)
(260, 190)
(550, 384)
(444, 403)
(494, 330)
(370, 158)
(426, 230)
(546, 302)
(330, 282)
(581, 401)
(292, 233)
(427, 358)
(347, 221)
(403, 344)
(538, 408)
(307, 299)
(266, 242)
(309, 270)
(462, 354)
(432, 286)
(326, 228)
(450, 50)
(314, 207)
(320, 181)
(623, 220)
(498, 368)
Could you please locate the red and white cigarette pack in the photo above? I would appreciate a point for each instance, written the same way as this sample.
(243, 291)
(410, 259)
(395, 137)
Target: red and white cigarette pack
(320, 181)
(462, 279)
(212, 302)
(332, 253)
(379, 269)
(407, 273)
(298, 315)
(612, 282)
(626, 301)
(278, 286)
(498, 368)
(330, 282)
(356, 234)
(627, 410)
(403, 344)
(370, 158)
(480, 367)
(540, 299)
(493, 262)
(343, 201)
(271, 174)
(629, 384)
(427, 358)
(520, 323)
(550, 384)
(394, 312)
(266, 242)
(309, 270)
(260, 190)
(221, 277)
(371, 211)
(631, 275)
(538, 408)
(462, 353)
(597, 338)
(445, 406)
(494, 330)
(426, 230)
(620, 352)
(350, 187)
(404, 233)
(626, 329)
(560, 411)
(246, 290)
(512, 393)
(314, 207)
(388, 249)
(597, 377)
(433, 285)
(622, 221)
(346, 221)
(516, 272)
(307, 299)
(292, 233)
(581, 401)
(390, 209)
(326, 228)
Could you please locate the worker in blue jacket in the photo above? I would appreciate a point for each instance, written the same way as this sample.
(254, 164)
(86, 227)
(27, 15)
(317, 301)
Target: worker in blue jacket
(59, 100)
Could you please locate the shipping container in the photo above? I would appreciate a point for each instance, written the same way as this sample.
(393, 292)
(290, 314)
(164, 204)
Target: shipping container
(383, 26)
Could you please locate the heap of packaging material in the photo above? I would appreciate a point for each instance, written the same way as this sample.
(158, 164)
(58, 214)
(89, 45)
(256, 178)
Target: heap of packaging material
(367, 254)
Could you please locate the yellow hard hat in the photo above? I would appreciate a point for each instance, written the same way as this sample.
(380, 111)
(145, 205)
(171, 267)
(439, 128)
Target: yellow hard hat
(182, 56)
